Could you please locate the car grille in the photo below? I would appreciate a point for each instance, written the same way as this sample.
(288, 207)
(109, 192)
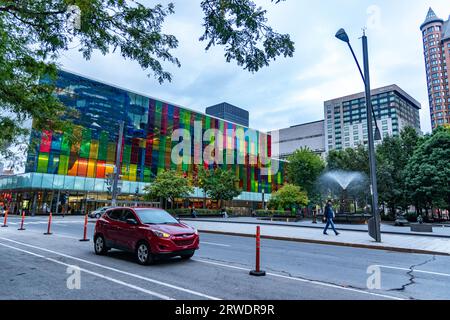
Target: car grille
(184, 242)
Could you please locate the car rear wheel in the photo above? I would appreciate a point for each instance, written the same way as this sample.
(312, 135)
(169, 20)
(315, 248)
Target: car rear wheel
(100, 246)
(143, 254)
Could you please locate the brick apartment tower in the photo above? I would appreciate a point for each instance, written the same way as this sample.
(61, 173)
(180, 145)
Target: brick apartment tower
(436, 44)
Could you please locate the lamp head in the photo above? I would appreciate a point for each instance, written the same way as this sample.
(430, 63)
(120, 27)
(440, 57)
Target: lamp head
(342, 35)
(378, 134)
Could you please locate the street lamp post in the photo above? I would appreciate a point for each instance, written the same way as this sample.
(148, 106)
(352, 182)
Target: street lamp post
(374, 223)
(263, 199)
(117, 166)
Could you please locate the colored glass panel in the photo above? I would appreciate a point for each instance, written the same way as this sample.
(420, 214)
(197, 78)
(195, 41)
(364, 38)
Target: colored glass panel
(103, 146)
(93, 153)
(42, 162)
(91, 168)
(56, 143)
(46, 141)
(100, 169)
(85, 143)
(53, 163)
(82, 167)
(63, 164)
(65, 143)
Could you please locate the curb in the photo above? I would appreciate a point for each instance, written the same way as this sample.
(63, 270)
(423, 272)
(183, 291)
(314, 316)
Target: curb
(312, 227)
(323, 242)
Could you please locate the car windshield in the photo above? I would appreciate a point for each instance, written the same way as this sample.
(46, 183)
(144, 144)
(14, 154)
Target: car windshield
(155, 217)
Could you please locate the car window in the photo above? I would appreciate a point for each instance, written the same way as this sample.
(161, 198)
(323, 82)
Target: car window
(155, 217)
(127, 215)
(115, 214)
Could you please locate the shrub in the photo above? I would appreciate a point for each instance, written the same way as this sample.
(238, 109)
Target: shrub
(271, 213)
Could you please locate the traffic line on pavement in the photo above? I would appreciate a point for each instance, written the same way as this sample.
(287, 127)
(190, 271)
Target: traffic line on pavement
(59, 235)
(152, 293)
(415, 270)
(305, 281)
(215, 244)
(117, 270)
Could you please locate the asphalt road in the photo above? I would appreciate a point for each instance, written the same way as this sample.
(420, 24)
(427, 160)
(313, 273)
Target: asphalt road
(35, 266)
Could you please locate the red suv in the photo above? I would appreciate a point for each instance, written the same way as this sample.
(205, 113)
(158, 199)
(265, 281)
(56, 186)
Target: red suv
(149, 233)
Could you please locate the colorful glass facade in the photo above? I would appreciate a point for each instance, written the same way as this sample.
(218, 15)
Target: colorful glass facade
(147, 145)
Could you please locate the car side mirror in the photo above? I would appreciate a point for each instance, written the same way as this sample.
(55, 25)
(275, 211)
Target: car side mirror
(132, 222)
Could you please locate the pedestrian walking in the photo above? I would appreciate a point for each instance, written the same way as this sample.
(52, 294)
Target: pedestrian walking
(329, 215)
(193, 213)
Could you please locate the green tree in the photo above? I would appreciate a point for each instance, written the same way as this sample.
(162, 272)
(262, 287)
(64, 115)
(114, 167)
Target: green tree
(428, 172)
(289, 197)
(303, 170)
(33, 34)
(219, 184)
(356, 159)
(169, 185)
(393, 156)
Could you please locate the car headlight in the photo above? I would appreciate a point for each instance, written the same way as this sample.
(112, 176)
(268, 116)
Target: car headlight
(196, 231)
(160, 234)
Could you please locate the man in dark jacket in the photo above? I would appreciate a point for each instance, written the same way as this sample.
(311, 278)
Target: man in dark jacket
(329, 214)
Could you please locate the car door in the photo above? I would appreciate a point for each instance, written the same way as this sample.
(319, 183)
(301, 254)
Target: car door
(111, 230)
(127, 233)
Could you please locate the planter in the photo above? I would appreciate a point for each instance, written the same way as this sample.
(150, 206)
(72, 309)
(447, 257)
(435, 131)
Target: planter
(281, 218)
(184, 215)
(350, 218)
(425, 228)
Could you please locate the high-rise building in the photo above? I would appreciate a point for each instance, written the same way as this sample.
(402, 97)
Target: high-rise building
(307, 135)
(230, 113)
(346, 117)
(436, 46)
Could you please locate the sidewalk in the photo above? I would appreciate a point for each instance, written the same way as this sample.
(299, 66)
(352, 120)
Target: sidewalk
(411, 243)
(438, 230)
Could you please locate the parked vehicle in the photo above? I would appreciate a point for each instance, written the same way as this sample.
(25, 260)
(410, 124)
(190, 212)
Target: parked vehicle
(148, 233)
(98, 213)
(401, 221)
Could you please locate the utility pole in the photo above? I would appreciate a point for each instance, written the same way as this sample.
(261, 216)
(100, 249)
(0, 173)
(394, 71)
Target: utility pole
(117, 167)
(375, 230)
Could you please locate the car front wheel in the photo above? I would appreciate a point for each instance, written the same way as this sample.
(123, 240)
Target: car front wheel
(100, 246)
(143, 254)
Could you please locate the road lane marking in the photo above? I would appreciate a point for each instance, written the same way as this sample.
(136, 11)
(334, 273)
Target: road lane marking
(215, 244)
(118, 271)
(305, 280)
(59, 235)
(416, 270)
(152, 293)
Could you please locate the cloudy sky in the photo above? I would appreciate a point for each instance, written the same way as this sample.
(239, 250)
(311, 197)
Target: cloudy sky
(290, 91)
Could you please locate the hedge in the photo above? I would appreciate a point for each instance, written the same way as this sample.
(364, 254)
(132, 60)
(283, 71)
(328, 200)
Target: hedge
(271, 213)
(199, 212)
